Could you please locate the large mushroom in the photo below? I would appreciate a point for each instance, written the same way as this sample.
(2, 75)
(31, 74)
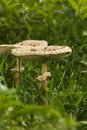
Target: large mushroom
(42, 54)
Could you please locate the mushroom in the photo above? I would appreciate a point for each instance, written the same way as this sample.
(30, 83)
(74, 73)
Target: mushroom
(5, 48)
(42, 54)
(24, 45)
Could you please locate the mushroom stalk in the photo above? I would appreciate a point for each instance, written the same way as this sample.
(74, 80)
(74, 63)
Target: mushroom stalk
(17, 72)
(44, 83)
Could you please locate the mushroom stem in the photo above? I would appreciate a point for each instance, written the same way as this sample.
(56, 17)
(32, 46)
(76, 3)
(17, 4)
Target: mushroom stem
(44, 83)
(17, 72)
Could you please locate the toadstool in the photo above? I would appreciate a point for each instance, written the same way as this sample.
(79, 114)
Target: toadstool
(42, 54)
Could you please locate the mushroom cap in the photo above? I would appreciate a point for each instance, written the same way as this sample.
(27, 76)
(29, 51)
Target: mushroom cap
(42, 53)
(34, 43)
(5, 48)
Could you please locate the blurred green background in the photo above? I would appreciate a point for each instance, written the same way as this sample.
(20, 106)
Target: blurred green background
(59, 22)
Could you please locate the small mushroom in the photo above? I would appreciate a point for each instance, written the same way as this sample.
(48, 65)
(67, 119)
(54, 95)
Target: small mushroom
(31, 45)
(43, 54)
